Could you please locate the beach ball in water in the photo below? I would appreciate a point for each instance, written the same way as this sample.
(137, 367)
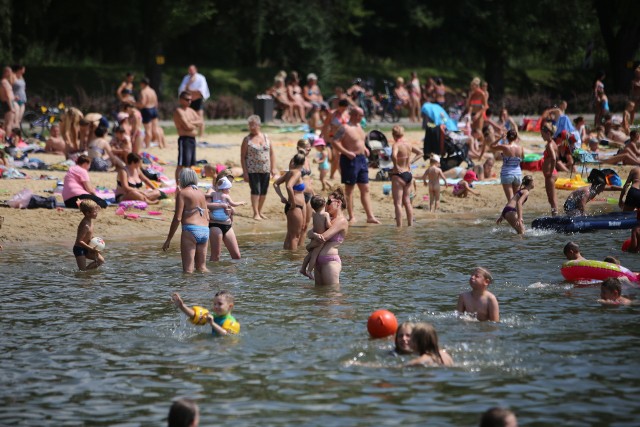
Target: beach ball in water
(199, 316)
(382, 323)
(97, 243)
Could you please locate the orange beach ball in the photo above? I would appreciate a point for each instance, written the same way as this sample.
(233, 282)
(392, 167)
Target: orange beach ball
(382, 323)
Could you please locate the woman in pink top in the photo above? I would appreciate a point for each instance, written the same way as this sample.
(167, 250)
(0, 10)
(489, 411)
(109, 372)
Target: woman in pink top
(77, 185)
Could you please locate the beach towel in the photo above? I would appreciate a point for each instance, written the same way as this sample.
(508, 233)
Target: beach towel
(199, 84)
(437, 115)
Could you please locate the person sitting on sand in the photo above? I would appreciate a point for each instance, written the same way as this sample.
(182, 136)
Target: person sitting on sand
(55, 143)
(131, 180)
(463, 187)
(630, 154)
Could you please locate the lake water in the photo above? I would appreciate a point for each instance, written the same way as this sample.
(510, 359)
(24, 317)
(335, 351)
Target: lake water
(107, 347)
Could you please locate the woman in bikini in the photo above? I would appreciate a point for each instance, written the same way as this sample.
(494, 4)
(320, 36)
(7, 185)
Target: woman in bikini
(512, 212)
(401, 177)
(477, 107)
(415, 98)
(294, 207)
(328, 264)
(304, 148)
(131, 181)
(191, 210)
(512, 155)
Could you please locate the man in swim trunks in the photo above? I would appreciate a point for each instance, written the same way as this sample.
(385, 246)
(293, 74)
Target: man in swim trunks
(354, 166)
(196, 84)
(187, 123)
(632, 201)
(148, 106)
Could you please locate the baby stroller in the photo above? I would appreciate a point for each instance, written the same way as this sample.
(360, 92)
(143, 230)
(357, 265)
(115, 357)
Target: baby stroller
(379, 154)
(451, 146)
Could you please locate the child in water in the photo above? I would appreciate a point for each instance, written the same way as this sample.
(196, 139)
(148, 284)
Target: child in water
(321, 222)
(572, 252)
(512, 212)
(463, 187)
(611, 292)
(434, 173)
(322, 159)
(82, 249)
(424, 340)
(577, 201)
(183, 413)
(403, 338)
(479, 301)
(222, 322)
(498, 417)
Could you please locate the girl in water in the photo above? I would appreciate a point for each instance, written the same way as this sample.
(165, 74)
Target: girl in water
(424, 340)
(512, 212)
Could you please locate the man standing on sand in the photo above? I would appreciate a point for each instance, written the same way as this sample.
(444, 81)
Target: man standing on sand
(148, 106)
(196, 84)
(354, 166)
(187, 122)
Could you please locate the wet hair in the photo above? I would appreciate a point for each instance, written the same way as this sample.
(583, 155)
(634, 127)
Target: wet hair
(612, 260)
(485, 273)
(317, 202)
(512, 135)
(254, 119)
(612, 284)
(182, 413)
(401, 326)
(88, 205)
(495, 417)
(397, 131)
(226, 295)
(571, 247)
(425, 340)
(298, 159)
(187, 177)
(528, 179)
(338, 194)
(133, 158)
(83, 159)
(343, 103)
(100, 131)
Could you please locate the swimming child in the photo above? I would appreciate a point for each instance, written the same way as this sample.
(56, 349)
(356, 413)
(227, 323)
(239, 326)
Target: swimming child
(611, 292)
(479, 300)
(222, 322)
(463, 187)
(612, 260)
(424, 340)
(322, 159)
(498, 417)
(82, 249)
(434, 173)
(184, 413)
(572, 252)
(321, 222)
(403, 338)
(576, 202)
(512, 212)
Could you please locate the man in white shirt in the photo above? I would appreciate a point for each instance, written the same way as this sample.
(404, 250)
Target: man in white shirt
(196, 84)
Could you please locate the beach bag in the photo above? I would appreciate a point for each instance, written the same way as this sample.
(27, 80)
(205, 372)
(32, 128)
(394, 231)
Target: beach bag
(42, 202)
(21, 199)
(611, 177)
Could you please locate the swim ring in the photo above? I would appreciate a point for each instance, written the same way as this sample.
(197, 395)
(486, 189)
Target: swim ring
(594, 270)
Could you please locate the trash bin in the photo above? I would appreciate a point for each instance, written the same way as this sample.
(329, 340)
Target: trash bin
(263, 107)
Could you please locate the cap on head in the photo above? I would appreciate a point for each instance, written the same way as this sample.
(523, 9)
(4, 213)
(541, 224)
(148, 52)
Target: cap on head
(312, 76)
(319, 142)
(435, 158)
(223, 184)
(470, 176)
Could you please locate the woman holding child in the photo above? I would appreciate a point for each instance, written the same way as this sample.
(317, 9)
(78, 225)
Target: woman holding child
(295, 206)
(328, 265)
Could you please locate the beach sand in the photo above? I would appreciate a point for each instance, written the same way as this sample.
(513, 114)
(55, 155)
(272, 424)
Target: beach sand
(40, 225)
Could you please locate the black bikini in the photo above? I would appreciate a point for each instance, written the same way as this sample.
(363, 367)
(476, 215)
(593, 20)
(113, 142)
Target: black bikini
(406, 176)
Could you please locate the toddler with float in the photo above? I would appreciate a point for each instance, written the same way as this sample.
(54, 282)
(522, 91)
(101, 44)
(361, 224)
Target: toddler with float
(578, 268)
(222, 322)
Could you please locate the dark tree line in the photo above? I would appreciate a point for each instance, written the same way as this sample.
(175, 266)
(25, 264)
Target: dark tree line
(489, 36)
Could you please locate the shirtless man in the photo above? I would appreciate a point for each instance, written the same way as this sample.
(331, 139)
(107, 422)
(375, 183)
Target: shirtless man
(549, 166)
(196, 84)
(632, 201)
(7, 106)
(148, 106)
(55, 144)
(187, 123)
(339, 117)
(354, 167)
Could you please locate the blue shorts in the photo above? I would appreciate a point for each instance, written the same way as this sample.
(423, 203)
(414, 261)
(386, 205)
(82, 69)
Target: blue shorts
(354, 171)
(148, 114)
(511, 179)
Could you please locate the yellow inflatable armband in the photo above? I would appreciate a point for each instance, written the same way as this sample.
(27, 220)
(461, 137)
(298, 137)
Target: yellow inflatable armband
(231, 325)
(199, 316)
